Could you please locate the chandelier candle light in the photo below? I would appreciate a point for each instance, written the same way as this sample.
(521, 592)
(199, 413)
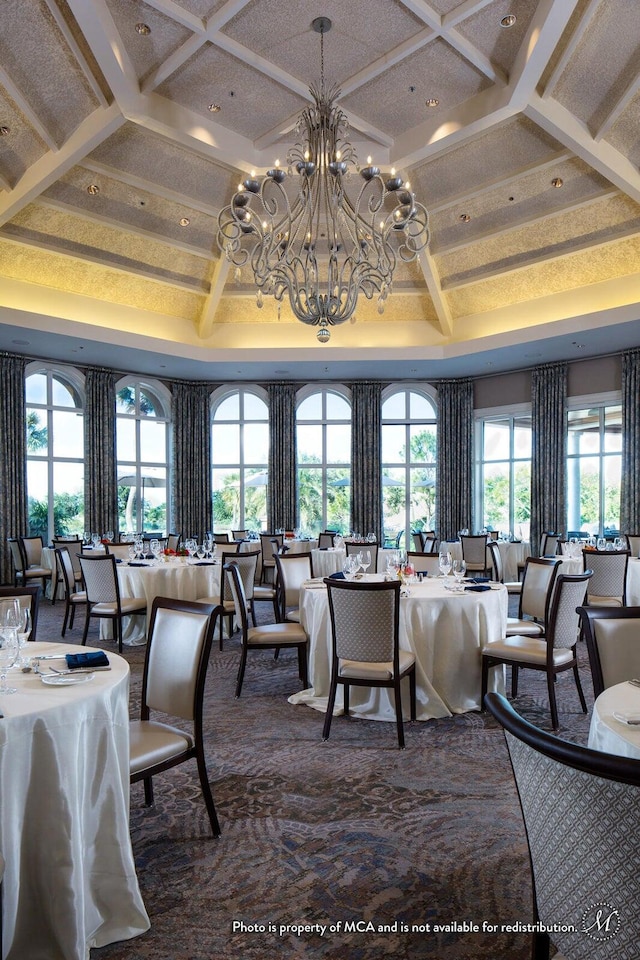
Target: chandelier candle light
(324, 237)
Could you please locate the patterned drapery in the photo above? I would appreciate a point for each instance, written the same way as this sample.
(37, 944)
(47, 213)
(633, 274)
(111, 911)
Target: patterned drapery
(549, 452)
(630, 485)
(13, 457)
(454, 466)
(366, 485)
(191, 459)
(282, 489)
(100, 486)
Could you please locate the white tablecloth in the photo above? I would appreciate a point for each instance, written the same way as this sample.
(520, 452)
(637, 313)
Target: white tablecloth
(70, 880)
(326, 562)
(511, 553)
(611, 735)
(446, 632)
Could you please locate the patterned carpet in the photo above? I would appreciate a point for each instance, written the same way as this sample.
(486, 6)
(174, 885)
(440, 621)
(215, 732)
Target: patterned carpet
(350, 848)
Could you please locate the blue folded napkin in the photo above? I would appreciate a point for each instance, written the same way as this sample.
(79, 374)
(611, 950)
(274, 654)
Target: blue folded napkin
(337, 576)
(203, 563)
(95, 658)
(137, 563)
(479, 587)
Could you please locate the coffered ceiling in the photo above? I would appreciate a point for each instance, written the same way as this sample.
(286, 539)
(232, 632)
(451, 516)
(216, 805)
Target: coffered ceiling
(121, 143)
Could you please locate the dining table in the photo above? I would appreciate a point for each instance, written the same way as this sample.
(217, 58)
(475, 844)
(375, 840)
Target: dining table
(331, 560)
(615, 721)
(70, 881)
(446, 631)
(512, 553)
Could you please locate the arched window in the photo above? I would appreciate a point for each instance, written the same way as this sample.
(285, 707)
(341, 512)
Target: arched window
(240, 458)
(55, 451)
(409, 434)
(323, 422)
(142, 440)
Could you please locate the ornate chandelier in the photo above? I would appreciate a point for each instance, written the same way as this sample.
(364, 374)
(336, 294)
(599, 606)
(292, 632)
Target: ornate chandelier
(324, 237)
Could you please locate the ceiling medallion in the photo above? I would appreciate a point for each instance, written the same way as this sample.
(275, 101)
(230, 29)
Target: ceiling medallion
(276, 225)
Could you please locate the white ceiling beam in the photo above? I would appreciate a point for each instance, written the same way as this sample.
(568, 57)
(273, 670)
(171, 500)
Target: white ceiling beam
(4, 184)
(97, 127)
(618, 107)
(173, 62)
(470, 52)
(106, 44)
(148, 186)
(571, 46)
(223, 14)
(432, 278)
(178, 13)
(543, 35)
(390, 59)
(562, 125)
(27, 111)
(462, 11)
(208, 314)
(73, 45)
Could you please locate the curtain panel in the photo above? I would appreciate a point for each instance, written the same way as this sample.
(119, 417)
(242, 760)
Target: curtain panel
(366, 439)
(13, 457)
(192, 504)
(454, 466)
(100, 483)
(282, 489)
(630, 483)
(549, 452)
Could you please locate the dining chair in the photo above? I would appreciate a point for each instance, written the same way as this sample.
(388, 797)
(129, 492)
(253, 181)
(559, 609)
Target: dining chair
(474, 552)
(365, 648)
(535, 597)
(429, 541)
(74, 546)
(608, 585)
(173, 541)
(269, 544)
(416, 536)
(103, 595)
(633, 543)
(553, 653)
(293, 569)
(119, 550)
(26, 595)
(428, 563)
(613, 644)
(580, 809)
(175, 668)
(355, 548)
(246, 563)
(73, 597)
(549, 546)
(24, 569)
(326, 540)
(269, 636)
(221, 538)
(239, 534)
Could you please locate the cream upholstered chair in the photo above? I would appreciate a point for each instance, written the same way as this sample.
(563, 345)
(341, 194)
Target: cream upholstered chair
(293, 569)
(549, 545)
(173, 541)
(119, 550)
(355, 548)
(175, 669)
(613, 642)
(73, 597)
(580, 811)
(246, 563)
(608, 585)
(416, 536)
(103, 595)
(270, 636)
(552, 654)
(429, 541)
(74, 546)
(326, 539)
(535, 597)
(27, 596)
(239, 534)
(25, 551)
(474, 552)
(365, 644)
(428, 563)
(270, 543)
(633, 543)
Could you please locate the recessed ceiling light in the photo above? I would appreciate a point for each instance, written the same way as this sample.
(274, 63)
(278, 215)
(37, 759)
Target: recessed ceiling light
(5, 131)
(214, 108)
(464, 217)
(93, 189)
(184, 221)
(509, 20)
(432, 102)
(557, 182)
(143, 29)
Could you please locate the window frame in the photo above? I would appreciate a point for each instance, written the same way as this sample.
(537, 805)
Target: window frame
(600, 401)
(325, 464)
(512, 413)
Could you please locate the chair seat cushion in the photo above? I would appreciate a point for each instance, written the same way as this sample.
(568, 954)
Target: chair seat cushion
(80, 596)
(263, 592)
(363, 670)
(128, 605)
(513, 586)
(604, 601)
(526, 628)
(38, 572)
(293, 616)
(274, 633)
(151, 743)
(526, 650)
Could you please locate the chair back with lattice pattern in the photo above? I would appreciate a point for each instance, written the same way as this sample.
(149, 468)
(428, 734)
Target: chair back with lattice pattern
(65, 566)
(326, 540)
(355, 548)
(246, 564)
(633, 543)
(100, 579)
(549, 544)
(563, 625)
(474, 551)
(235, 587)
(17, 555)
(609, 580)
(364, 620)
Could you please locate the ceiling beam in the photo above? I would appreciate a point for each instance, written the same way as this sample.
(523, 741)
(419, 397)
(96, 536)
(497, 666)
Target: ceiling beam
(208, 314)
(178, 13)
(571, 46)
(76, 50)
(147, 186)
(543, 35)
(618, 107)
(29, 114)
(434, 287)
(106, 44)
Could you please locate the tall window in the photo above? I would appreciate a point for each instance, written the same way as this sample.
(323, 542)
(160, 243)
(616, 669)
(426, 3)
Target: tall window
(323, 421)
(142, 437)
(240, 458)
(409, 434)
(503, 470)
(55, 451)
(594, 459)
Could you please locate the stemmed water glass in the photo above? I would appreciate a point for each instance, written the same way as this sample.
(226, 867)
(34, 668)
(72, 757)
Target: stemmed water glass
(9, 644)
(350, 566)
(444, 563)
(459, 569)
(155, 548)
(364, 559)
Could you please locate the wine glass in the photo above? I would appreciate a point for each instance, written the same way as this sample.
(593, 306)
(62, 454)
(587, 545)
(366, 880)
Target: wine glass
(9, 651)
(155, 548)
(444, 563)
(459, 570)
(350, 566)
(364, 559)
(24, 632)
(602, 543)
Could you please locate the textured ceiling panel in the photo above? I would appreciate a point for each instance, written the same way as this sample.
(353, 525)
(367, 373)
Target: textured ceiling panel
(435, 70)
(202, 8)
(498, 44)
(592, 83)
(146, 52)
(21, 146)
(211, 75)
(625, 135)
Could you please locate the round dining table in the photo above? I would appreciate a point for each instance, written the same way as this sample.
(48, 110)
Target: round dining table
(615, 721)
(444, 629)
(70, 881)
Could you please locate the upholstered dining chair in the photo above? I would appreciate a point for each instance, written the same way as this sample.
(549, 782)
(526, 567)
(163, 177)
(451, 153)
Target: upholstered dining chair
(74, 546)
(270, 543)
(173, 541)
(269, 636)
(496, 569)
(580, 812)
(246, 563)
(633, 543)
(428, 563)
(535, 597)
(25, 567)
(292, 569)
(365, 650)
(554, 653)
(175, 669)
(119, 550)
(221, 538)
(326, 539)
(608, 585)
(73, 596)
(549, 544)
(355, 548)
(26, 595)
(103, 595)
(474, 552)
(239, 534)
(613, 643)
